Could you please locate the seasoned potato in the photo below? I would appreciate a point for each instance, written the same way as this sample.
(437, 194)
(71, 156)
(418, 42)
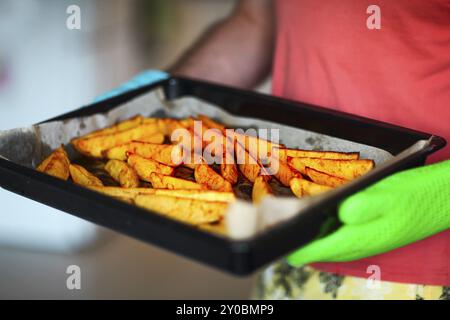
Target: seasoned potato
(229, 172)
(345, 169)
(95, 146)
(122, 173)
(171, 125)
(261, 189)
(283, 154)
(228, 168)
(285, 173)
(83, 177)
(324, 178)
(302, 187)
(247, 164)
(186, 210)
(156, 138)
(167, 154)
(209, 178)
(160, 181)
(145, 167)
(56, 165)
(170, 155)
(206, 195)
(254, 143)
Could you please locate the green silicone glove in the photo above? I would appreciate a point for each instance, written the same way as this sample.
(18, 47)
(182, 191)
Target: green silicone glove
(399, 210)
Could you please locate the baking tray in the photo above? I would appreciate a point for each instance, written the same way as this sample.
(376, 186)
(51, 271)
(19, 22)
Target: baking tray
(239, 257)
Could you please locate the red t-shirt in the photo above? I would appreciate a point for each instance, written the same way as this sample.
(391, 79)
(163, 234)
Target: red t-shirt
(327, 55)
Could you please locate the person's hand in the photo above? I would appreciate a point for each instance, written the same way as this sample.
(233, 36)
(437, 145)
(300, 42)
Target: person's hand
(142, 79)
(399, 210)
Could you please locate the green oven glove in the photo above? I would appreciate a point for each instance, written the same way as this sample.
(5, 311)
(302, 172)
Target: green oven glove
(399, 210)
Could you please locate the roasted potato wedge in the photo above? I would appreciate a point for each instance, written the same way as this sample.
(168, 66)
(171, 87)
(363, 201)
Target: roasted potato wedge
(83, 177)
(285, 173)
(170, 155)
(206, 195)
(170, 125)
(156, 138)
(324, 178)
(95, 146)
(167, 154)
(186, 210)
(302, 187)
(121, 172)
(228, 168)
(229, 172)
(254, 143)
(56, 165)
(160, 181)
(345, 169)
(261, 189)
(145, 167)
(283, 154)
(248, 165)
(212, 180)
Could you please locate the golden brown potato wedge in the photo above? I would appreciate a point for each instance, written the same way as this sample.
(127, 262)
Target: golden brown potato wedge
(83, 177)
(145, 167)
(324, 178)
(170, 155)
(186, 210)
(296, 187)
(170, 125)
(206, 195)
(261, 189)
(95, 146)
(56, 165)
(167, 154)
(345, 169)
(302, 187)
(157, 138)
(160, 181)
(121, 172)
(228, 168)
(254, 143)
(212, 180)
(283, 154)
(248, 165)
(229, 172)
(285, 173)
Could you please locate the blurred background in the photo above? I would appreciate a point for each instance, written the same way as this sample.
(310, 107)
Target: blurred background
(46, 70)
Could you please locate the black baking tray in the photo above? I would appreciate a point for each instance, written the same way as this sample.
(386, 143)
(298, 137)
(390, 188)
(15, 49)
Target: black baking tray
(240, 257)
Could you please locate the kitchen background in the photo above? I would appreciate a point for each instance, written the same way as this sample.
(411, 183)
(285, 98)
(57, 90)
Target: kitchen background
(47, 69)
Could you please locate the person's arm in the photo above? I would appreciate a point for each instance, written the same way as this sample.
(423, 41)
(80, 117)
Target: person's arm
(236, 51)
